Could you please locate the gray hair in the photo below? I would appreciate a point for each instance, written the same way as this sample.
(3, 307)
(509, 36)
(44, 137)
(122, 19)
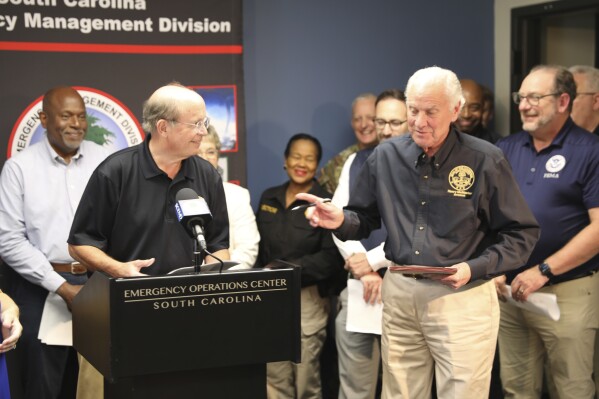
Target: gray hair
(363, 96)
(591, 74)
(436, 76)
(163, 104)
(213, 137)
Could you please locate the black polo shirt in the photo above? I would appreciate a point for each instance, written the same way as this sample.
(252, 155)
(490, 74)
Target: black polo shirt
(287, 235)
(461, 205)
(128, 210)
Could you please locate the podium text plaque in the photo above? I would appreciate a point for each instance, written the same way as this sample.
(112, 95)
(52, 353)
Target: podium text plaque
(198, 335)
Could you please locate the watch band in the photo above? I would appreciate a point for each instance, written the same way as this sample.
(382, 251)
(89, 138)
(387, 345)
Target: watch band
(545, 270)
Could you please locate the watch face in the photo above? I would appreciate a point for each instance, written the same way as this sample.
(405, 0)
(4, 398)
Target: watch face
(545, 270)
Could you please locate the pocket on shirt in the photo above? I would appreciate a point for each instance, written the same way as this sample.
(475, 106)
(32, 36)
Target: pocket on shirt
(453, 218)
(301, 223)
(266, 216)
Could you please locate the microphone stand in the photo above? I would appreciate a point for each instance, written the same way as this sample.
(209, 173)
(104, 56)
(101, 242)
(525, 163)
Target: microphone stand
(199, 247)
(222, 264)
(197, 257)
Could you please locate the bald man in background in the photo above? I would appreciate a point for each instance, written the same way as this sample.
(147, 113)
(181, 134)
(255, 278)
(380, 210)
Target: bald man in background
(362, 123)
(40, 189)
(471, 116)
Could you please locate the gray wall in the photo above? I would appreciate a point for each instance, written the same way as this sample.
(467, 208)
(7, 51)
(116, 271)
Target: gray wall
(305, 61)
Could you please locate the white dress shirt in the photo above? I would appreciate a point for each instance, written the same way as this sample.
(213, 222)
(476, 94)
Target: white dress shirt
(39, 194)
(376, 256)
(243, 232)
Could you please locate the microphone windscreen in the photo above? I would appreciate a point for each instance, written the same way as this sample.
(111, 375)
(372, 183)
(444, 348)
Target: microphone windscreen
(191, 209)
(186, 194)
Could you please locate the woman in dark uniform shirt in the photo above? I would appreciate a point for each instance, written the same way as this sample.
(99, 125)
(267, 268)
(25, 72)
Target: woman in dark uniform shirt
(286, 235)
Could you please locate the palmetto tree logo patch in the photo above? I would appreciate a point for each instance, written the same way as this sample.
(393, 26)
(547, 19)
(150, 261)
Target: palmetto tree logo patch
(109, 123)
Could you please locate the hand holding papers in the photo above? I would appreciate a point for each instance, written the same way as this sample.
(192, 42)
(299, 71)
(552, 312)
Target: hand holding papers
(362, 317)
(537, 302)
(56, 326)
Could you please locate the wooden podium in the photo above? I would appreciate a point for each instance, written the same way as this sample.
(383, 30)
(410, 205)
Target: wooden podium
(206, 335)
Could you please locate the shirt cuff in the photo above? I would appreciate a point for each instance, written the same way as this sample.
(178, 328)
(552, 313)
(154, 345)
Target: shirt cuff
(53, 281)
(347, 227)
(478, 268)
(376, 258)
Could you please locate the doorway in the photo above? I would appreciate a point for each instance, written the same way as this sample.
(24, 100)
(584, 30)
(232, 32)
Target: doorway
(558, 32)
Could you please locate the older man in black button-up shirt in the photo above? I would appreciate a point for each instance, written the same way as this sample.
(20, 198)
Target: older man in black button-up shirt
(447, 200)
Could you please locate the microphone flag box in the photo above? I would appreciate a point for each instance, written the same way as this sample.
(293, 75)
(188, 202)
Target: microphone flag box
(191, 207)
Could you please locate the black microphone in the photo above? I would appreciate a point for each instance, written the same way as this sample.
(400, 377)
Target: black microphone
(193, 213)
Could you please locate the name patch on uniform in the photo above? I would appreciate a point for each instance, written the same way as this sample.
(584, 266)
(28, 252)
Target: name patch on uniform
(269, 209)
(555, 164)
(461, 178)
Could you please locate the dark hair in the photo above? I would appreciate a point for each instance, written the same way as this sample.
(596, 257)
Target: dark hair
(564, 81)
(304, 136)
(391, 93)
(488, 95)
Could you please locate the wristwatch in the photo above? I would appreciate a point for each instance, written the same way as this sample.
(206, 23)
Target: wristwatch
(545, 270)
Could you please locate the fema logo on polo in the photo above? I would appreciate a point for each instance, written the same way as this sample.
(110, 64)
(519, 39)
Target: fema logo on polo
(109, 123)
(555, 164)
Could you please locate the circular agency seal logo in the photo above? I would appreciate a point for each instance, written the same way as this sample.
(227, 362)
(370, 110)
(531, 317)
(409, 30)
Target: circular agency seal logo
(109, 123)
(555, 164)
(461, 178)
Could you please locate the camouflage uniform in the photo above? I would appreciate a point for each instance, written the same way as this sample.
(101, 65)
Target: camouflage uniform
(329, 174)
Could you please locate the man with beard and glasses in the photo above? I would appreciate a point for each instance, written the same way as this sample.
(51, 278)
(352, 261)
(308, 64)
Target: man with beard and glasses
(556, 165)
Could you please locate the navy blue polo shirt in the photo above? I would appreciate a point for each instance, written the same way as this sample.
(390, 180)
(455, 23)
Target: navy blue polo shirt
(560, 184)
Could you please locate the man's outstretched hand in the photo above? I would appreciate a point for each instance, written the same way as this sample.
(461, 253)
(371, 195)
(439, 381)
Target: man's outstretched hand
(323, 214)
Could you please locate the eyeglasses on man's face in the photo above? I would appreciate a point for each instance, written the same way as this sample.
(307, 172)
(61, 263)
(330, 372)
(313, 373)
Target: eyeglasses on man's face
(394, 124)
(532, 99)
(203, 124)
(586, 93)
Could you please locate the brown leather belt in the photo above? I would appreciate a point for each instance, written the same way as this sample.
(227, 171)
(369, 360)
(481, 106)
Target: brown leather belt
(73, 268)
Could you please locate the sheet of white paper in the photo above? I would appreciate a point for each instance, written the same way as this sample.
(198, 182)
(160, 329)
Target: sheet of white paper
(362, 317)
(56, 327)
(538, 302)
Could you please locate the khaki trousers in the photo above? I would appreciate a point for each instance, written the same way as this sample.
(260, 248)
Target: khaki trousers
(430, 327)
(527, 339)
(288, 380)
(91, 383)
